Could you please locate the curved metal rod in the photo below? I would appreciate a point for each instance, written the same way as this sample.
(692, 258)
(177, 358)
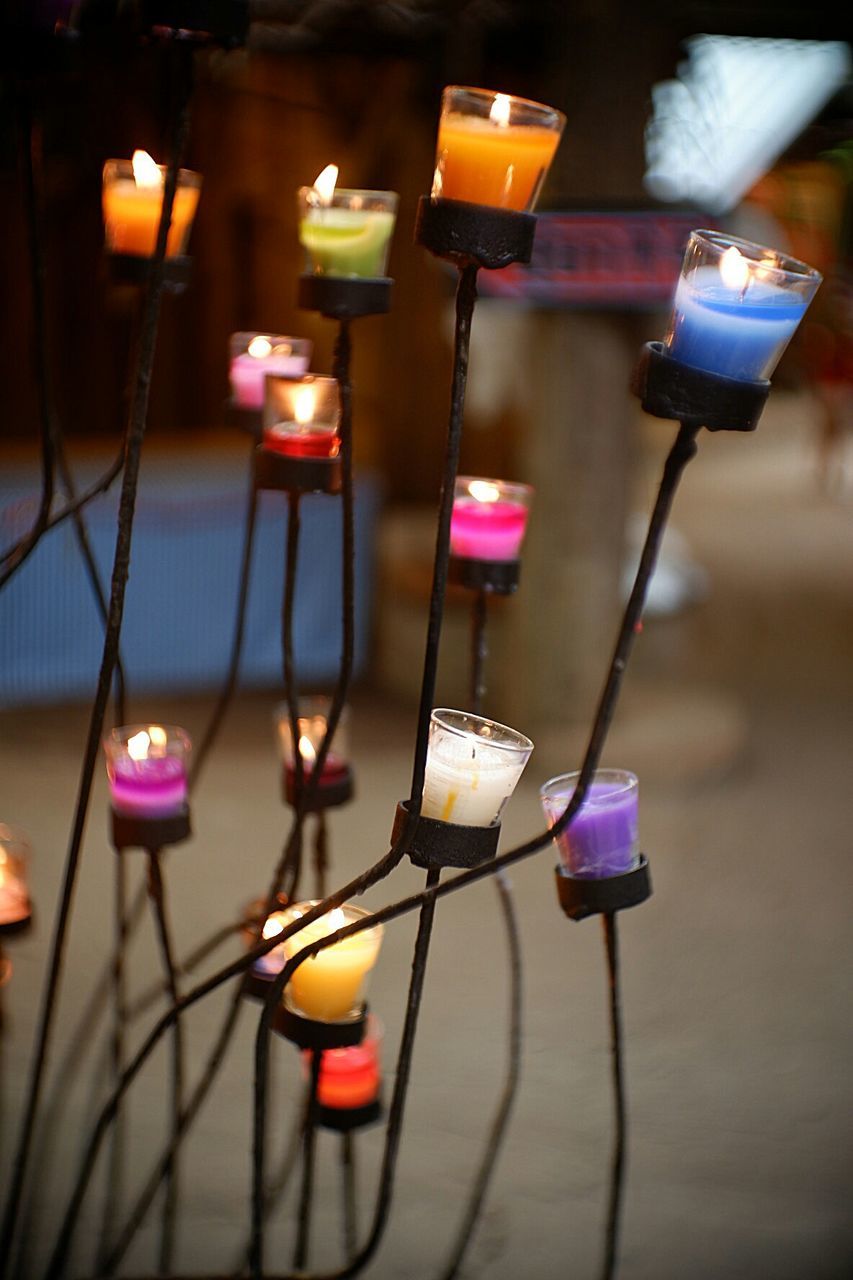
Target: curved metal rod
(121, 564)
(157, 894)
(292, 858)
(620, 1138)
(680, 454)
(309, 1147)
(115, 1164)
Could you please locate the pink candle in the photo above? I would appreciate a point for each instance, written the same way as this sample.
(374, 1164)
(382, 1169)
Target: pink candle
(147, 770)
(253, 356)
(489, 519)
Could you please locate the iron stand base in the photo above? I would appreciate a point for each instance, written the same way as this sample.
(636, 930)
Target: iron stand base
(446, 844)
(474, 234)
(669, 389)
(129, 831)
(581, 898)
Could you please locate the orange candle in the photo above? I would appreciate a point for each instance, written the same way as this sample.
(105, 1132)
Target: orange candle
(132, 200)
(494, 149)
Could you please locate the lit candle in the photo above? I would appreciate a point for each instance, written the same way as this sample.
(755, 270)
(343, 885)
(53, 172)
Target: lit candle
(301, 416)
(132, 200)
(254, 355)
(329, 986)
(737, 306)
(15, 905)
(472, 768)
(489, 519)
(350, 1077)
(312, 724)
(494, 149)
(147, 770)
(345, 232)
(601, 840)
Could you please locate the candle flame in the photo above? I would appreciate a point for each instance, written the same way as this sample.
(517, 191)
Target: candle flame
(146, 171)
(484, 491)
(324, 183)
(273, 924)
(158, 738)
(304, 403)
(259, 347)
(306, 750)
(734, 269)
(137, 746)
(499, 113)
(334, 920)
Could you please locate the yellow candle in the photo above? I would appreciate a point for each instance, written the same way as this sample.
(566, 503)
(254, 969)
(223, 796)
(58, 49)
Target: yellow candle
(328, 987)
(492, 164)
(132, 200)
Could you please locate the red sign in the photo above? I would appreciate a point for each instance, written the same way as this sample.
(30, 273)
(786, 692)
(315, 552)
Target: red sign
(616, 260)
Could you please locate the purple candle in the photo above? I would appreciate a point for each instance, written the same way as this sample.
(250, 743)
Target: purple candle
(253, 356)
(489, 519)
(147, 770)
(601, 840)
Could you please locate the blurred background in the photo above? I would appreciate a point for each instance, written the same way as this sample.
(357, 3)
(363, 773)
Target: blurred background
(736, 710)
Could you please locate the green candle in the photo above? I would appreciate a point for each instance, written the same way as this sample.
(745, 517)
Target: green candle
(346, 232)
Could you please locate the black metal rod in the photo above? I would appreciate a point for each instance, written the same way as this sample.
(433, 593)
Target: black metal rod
(227, 693)
(479, 650)
(681, 452)
(321, 854)
(309, 1143)
(620, 1139)
(121, 566)
(156, 892)
(115, 1164)
(348, 1194)
(292, 856)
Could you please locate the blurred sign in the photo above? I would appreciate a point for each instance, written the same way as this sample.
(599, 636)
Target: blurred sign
(622, 261)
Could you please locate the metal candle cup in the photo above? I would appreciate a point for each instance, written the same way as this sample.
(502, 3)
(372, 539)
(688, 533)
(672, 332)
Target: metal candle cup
(737, 305)
(472, 768)
(494, 149)
(345, 232)
(601, 840)
(132, 200)
(330, 986)
(489, 519)
(147, 769)
(254, 355)
(15, 904)
(301, 416)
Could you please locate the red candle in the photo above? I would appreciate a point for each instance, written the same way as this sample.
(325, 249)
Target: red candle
(349, 1078)
(295, 441)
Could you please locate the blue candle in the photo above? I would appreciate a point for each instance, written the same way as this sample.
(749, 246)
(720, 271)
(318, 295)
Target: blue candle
(739, 332)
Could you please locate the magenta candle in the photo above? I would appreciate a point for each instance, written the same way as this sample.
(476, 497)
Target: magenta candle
(254, 355)
(295, 441)
(601, 840)
(147, 770)
(489, 519)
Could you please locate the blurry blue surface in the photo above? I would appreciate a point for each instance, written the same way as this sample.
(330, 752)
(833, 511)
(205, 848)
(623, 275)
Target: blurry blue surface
(181, 597)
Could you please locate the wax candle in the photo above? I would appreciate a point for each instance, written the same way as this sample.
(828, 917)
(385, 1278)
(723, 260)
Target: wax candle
(737, 305)
(329, 986)
(254, 355)
(489, 519)
(301, 416)
(350, 1077)
(312, 726)
(147, 770)
(15, 904)
(132, 199)
(472, 768)
(493, 148)
(345, 232)
(601, 840)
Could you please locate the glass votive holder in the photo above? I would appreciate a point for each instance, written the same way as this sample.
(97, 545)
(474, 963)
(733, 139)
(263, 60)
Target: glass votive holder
(132, 198)
(254, 355)
(346, 232)
(352, 1077)
(489, 518)
(329, 986)
(15, 852)
(302, 416)
(147, 769)
(602, 838)
(493, 148)
(737, 305)
(472, 768)
(312, 723)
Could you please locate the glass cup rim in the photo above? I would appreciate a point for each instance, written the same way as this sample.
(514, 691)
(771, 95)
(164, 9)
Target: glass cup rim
(784, 264)
(515, 488)
(519, 744)
(296, 343)
(565, 784)
(119, 736)
(387, 197)
(490, 94)
(281, 710)
(124, 168)
(358, 913)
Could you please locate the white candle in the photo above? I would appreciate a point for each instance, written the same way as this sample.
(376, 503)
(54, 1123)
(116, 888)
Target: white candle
(472, 768)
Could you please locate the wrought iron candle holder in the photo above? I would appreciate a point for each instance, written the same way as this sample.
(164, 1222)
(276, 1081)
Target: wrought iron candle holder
(440, 844)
